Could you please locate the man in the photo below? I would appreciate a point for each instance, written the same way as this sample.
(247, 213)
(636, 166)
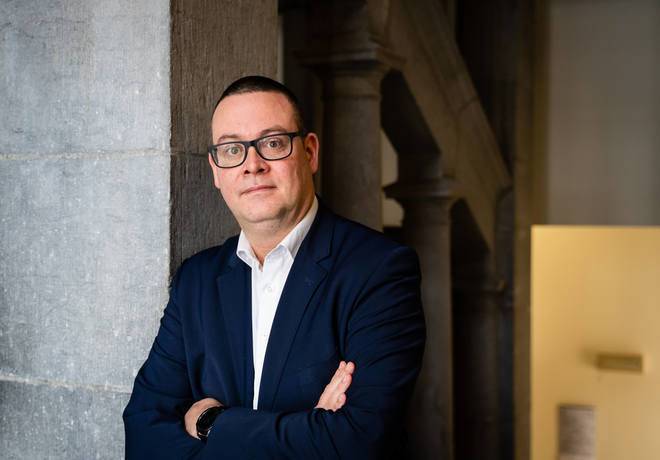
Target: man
(300, 338)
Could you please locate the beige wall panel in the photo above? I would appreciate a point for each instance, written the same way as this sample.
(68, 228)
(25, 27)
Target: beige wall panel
(594, 290)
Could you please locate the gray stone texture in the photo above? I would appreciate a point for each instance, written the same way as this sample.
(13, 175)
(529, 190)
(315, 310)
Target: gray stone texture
(199, 216)
(213, 43)
(426, 227)
(84, 258)
(86, 421)
(83, 75)
(351, 169)
(346, 50)
(84, 218)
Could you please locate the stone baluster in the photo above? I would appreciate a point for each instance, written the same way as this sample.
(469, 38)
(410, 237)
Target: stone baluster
(426, 227)
(476, 399)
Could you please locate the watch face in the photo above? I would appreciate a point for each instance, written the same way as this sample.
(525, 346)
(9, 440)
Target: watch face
(205, 421)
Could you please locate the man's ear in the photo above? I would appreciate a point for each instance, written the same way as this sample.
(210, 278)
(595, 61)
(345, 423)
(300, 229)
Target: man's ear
(312, 147)
(216, 172)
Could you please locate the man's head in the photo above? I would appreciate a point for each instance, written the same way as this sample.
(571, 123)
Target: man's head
(263, 195)
(257, 83)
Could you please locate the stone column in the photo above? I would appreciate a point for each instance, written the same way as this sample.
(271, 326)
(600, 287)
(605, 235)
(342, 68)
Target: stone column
(84, 218)
(348, 52)
(351, 156)
(426, 227)
(476, 315)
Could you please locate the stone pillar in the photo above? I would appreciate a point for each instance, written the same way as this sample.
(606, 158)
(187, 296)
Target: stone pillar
(426, 227)
(347, 52)
(351, 152)
(104, 112)
(476, 316)
(84, 219)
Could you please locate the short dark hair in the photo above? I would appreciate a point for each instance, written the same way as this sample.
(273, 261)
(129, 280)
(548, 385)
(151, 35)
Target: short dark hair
(258, 83)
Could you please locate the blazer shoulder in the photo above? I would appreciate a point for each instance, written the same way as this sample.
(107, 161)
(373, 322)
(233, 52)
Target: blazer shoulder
(360, 242)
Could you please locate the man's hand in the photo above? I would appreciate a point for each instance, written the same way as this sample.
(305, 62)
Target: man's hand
(195, 411)
(334, 395)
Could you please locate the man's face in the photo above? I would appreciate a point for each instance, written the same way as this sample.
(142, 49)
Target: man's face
(259, 192)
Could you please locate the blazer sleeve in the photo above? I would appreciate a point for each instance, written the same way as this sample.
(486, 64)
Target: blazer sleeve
(153, 418)
(385, 339)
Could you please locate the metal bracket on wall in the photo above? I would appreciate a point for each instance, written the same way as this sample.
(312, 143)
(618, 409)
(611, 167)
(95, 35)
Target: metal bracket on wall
(620, 362)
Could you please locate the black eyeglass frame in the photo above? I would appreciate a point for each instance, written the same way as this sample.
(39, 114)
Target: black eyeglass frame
(253, 143)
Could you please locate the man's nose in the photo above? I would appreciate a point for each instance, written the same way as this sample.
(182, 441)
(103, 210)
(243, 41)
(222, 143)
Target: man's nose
(254, 163)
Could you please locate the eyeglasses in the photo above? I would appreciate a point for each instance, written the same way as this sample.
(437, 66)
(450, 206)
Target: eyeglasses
(272, 147)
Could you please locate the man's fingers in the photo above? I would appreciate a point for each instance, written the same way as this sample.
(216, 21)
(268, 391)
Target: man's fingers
(336, 377)
(343, 369)
(340, 369)
(344, 383)
(344, 379)
(333, 396)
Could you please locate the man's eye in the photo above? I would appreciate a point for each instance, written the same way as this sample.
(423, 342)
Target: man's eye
(274, 143)
(232, 150)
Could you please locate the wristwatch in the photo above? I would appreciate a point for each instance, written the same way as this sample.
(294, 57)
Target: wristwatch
(206, 419)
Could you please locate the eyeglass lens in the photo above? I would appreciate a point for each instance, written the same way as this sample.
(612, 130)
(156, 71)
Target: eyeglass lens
(271, 147)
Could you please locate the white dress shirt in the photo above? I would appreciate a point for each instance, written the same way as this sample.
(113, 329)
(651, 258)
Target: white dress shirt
(267, 285)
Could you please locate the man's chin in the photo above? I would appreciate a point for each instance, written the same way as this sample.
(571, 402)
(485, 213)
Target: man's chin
(263, 217)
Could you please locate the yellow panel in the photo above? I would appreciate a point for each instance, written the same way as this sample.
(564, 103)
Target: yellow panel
(596, 290)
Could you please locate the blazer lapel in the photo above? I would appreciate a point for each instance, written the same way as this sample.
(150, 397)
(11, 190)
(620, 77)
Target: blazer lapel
(235, 294)
(304, 278)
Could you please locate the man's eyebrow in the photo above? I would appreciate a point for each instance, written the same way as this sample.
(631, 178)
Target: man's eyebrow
(263, 132)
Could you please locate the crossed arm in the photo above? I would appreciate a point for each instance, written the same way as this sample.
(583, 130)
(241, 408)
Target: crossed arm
(332, 398)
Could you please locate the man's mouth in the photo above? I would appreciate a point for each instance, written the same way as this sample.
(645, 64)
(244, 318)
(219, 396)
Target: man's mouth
(257, 188)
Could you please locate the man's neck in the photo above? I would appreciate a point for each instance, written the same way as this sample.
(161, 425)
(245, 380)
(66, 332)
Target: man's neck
(265, 236)
(264, 242)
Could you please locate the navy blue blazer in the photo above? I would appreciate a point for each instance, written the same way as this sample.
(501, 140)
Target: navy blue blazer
(351, 294)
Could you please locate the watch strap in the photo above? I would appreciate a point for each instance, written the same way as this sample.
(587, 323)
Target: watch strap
(206, 419)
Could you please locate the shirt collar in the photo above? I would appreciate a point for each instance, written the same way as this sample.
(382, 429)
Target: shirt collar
(291, 242)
